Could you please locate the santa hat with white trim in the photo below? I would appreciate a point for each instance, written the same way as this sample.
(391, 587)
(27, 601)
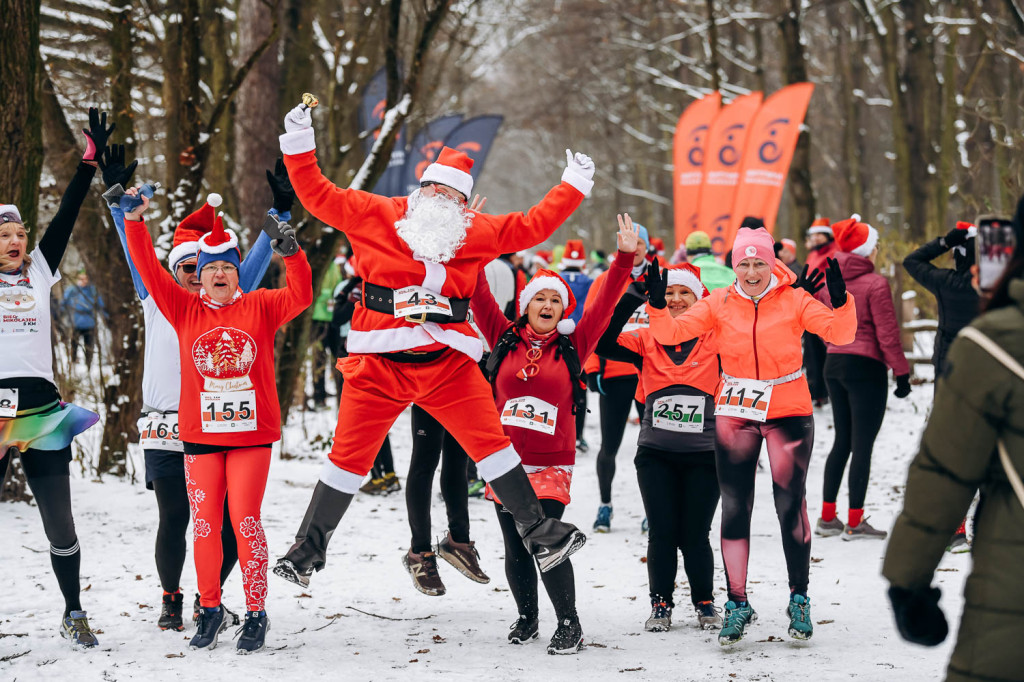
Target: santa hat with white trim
(549, 279)
(452, 169)
(820, 226)
(192, 228)
(687, 275)
(220, 244)
(855, 237)
(574, 256)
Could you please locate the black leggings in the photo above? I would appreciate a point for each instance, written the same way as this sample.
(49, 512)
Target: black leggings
(680, 492)
(858, 387)
(172, 503)
(737, 448)
(429, 441)
(521, 569)
(618, 394)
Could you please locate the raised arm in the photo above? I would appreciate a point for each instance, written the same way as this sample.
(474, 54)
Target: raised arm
(140, 288)
(597, 316)
(168, 295)
(486, 313)
(297, 294)
(919, 265)
(255, 264)
(616, 345)
(837, 325)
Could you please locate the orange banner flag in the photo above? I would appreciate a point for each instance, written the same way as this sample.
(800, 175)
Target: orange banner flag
(689, 144)
(769, 151)
(723, 157)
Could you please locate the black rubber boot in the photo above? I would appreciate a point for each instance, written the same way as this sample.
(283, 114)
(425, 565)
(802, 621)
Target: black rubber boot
(309, 553)
(550, 541)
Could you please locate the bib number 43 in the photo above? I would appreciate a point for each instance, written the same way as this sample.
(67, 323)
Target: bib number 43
(231, 412)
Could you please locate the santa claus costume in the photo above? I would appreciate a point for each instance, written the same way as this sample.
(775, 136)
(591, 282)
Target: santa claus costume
(419, 257)
(228, 413)
(535, 367)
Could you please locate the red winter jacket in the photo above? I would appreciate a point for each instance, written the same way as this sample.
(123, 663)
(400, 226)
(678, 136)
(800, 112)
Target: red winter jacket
(816, 258)
(878, 332)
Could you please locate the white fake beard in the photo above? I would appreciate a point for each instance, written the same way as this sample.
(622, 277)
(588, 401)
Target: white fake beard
(434, 228)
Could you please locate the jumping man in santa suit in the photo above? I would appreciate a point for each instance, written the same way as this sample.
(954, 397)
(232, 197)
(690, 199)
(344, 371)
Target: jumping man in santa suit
(410, 343)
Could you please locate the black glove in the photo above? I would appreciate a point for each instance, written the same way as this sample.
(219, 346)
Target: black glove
(98, 133)
(918, 616)
(836, 283)
(114, 170)
(288, 245)
(657, 283)
(812, 283)
(902, 386)
(955, 237)
(281, 186)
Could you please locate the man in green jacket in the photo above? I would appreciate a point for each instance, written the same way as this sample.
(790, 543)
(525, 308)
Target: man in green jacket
(712, 275)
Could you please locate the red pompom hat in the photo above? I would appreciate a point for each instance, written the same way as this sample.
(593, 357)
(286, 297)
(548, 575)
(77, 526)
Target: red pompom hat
(855, 237)
(219, 244)
(574, 256)
(549, 279)
(189, 230)
(452, 169)
(820, 226)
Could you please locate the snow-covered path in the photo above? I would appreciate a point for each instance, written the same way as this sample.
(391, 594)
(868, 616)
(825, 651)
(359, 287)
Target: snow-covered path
(362, 618)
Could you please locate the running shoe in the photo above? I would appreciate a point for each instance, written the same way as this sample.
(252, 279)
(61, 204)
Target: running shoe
(391, 483)
(463, 556)
(828, 529)
(230, 617)
(799, 612)
(582, 446)
(603, 523)
(75, 626)
(252, 636)
(737, 617)
(863, 530)
(709, 616)
(210, 624)
(375, 486)
(550, 556)
(170, 612)
(568, 638)
(422, 567)
(661, 616)
(476, 487)
(284, 568)
(959, 544)
(524, 629)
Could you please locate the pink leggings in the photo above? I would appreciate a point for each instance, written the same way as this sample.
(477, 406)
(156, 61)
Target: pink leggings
(243, 472)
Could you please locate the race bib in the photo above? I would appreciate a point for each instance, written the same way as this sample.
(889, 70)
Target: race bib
(8, 403)
(638, 320)
(680, 413)
(231, 412)
(744, 398)
(530, 413)
(418, 300)
(160, 432)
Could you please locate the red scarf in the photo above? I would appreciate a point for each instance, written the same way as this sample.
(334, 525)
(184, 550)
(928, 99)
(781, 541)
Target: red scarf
(214, 304)
(533, 353)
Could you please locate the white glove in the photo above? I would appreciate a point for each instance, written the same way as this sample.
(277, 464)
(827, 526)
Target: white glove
(580, 164)
(298, 119)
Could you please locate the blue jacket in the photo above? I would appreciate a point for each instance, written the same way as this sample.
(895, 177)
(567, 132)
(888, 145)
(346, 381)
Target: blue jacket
(579, 283)
(82, 304)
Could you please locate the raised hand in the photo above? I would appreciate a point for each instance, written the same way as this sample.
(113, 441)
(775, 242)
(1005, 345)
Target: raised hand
(835, 282)
(281, 186)
(657, 284)
(298, 119)
(97, 135)
(128, 201)
(287, 245)
(111, 163)
(477, 205)
(629, 235)
(811, 283)
(580, 164)
(956, 237)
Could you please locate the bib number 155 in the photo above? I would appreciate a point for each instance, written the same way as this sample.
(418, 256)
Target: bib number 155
(228, 412)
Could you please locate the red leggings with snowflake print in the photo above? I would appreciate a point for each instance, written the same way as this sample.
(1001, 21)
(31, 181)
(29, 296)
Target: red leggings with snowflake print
(240, 473)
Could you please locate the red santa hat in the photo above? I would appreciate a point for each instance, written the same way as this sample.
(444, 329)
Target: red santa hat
(574, 256)
(542, 258)
(549, 279)
(789, 245)
(820, 226)
(687, 275)
(219, 244)
(452, 169)
(855, 237)
(194, 226)
(658, 244)
(972, 231)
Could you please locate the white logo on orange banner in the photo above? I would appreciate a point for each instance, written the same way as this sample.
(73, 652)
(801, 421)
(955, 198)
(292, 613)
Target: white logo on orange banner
(681, 413)
(638, 320)
(415, 300)
(530, 413)
(8, 403)
(232, 412)
(160, 432)
(744, 398)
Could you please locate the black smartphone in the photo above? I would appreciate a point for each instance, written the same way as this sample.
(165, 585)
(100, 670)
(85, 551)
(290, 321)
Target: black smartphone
(995, 245)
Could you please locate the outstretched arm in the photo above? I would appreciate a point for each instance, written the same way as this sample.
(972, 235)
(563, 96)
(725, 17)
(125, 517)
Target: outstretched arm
(169, 297)
(616, 345)
(596, 317)
(252, 269)
(486, 313)
(140, 287)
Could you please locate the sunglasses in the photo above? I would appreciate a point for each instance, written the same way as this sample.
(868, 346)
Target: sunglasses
(188, 268)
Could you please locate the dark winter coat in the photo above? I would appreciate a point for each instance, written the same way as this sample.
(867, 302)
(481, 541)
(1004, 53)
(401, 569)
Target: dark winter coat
(958, 301)
(978, 401)
(878, 332)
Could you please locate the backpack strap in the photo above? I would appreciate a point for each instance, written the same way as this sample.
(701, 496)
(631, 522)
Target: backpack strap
(1008, 361)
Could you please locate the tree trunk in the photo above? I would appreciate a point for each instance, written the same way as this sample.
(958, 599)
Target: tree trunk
(714, 65)
(794, 70)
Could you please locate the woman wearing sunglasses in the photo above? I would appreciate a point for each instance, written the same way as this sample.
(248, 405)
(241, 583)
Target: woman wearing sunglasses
(229, 415)
(535, 366)
(161, 379)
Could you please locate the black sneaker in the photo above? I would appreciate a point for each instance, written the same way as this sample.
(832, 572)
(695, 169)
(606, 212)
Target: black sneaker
(230, 617)
(209, 625)
(568, 638)
(253, 635)
(292, 573)
(661, 616)
(524, 629)
(170, 612)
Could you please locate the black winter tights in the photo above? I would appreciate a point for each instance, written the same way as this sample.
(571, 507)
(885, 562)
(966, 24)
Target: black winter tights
(521, 569)
(431, 444)
(619, 393)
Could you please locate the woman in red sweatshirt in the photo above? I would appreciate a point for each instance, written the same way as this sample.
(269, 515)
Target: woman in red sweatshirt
(229, 414)
(535, 365)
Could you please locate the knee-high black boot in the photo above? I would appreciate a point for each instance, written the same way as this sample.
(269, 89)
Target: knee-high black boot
(309, 552)
(550, 541)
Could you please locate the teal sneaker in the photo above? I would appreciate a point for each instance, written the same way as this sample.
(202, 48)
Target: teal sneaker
(799, 612)
(603, 523)
(737, 617)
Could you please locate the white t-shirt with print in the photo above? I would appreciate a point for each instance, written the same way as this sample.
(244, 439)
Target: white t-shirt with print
(25, 321)
(161, 376)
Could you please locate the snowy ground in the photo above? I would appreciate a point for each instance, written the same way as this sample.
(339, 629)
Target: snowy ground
(363, 618)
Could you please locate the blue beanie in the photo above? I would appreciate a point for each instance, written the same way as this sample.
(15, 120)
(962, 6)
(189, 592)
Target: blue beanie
(642, 233)
(220, 244)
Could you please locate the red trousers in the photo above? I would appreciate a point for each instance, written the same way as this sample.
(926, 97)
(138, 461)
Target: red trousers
(452, 389)
(243, 472)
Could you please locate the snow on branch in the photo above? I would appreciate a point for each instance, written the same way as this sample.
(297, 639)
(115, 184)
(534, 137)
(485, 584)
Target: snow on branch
(391, 119)
(876, 20)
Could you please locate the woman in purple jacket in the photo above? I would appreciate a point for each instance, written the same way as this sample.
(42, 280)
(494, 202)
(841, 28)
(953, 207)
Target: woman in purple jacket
(857, 379)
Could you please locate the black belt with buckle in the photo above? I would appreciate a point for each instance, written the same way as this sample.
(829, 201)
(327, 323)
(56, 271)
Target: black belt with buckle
(414, 356)
(382, 300)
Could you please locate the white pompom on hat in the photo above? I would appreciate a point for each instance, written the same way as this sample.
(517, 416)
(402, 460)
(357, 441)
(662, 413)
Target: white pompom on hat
(192, 228)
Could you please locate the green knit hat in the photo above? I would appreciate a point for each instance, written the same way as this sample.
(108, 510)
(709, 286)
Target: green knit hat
(698, 240)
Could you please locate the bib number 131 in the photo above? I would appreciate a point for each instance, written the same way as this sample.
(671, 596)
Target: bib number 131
(232, 412)
(530, 413)
(744, 398)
